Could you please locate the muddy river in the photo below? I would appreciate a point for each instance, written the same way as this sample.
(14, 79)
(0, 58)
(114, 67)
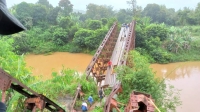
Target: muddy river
(184, 76)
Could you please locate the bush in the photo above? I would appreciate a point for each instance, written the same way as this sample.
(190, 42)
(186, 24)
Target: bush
(141, 78)
(94, 24)
(79, 37)
(60, 37)
(157, 30)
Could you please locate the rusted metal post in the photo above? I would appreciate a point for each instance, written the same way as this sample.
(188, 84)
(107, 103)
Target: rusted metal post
(77, 92)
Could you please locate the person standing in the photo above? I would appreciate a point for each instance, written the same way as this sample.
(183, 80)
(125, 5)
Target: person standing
(101, 94)
(109, 63)
(84, 107)
(90, 100)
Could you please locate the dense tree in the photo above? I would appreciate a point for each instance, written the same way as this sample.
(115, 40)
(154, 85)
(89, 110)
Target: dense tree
(94, 24)
(99, 11)
(133, 6)
(104, 21)
(23, 12)
(45, 3)
(171, 16)
(79, 37)
(124, 15)
(65, 22)
(93, 41)
(66, 6)
(156, 12)
(185, 16)
(60, 36)
(157, 30)
(197, 13)
(39, 14)
(52, 15)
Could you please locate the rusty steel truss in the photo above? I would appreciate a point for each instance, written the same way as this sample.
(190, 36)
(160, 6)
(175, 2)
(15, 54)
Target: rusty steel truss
(138, 102)
(130, 44)
(111, 102)
(98, 64)
(33, 100)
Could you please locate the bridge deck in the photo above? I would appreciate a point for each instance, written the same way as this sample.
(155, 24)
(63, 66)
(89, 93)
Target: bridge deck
(117, 54)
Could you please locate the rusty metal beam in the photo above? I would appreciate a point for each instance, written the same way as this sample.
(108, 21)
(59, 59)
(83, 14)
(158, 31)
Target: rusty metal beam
(7, 81)
(116, 89)
(130, 43)
(75, 98)
(103, 54)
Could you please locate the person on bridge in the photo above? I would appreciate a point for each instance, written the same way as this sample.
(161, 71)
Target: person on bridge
(101, 94)
(84, 107)
(109, 64)
(90, 100)
(126, 26)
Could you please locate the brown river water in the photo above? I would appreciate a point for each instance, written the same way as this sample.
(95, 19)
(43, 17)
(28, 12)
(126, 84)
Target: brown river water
(183, 76)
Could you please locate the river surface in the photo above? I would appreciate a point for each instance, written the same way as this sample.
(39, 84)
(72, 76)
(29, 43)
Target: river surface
(46, 64)
(184, 76)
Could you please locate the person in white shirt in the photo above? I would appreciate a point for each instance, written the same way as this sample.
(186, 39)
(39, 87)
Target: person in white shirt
(84, 106)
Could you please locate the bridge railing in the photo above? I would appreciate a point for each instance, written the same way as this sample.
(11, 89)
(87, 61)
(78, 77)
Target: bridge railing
(130, 43)
(110, 33)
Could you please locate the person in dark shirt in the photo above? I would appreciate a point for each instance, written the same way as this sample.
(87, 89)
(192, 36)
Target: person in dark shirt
(101, 94)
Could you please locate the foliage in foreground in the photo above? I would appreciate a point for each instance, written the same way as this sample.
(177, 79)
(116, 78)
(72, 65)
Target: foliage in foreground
(64, 83)
(141, 78)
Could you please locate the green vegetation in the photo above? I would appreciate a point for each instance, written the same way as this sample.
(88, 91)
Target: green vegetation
(141, 78)
(61, 84)
(162, 35)
(164, 44)
(52, 29)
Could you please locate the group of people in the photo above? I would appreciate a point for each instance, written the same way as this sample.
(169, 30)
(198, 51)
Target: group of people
(90, 100)
(125, 25)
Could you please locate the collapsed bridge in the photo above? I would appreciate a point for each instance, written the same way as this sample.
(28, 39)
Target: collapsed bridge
(115, 48)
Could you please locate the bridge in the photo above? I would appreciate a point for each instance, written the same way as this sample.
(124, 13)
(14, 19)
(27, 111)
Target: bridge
(115, 47)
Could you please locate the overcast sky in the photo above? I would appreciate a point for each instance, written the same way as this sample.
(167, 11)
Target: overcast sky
(118, 4)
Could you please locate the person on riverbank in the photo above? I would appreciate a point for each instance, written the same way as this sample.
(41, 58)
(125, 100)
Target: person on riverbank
(84, 107)
(101, 94)
(90, 100)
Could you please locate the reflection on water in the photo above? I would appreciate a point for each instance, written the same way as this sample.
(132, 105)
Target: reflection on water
(184, 76)
(44, 65)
